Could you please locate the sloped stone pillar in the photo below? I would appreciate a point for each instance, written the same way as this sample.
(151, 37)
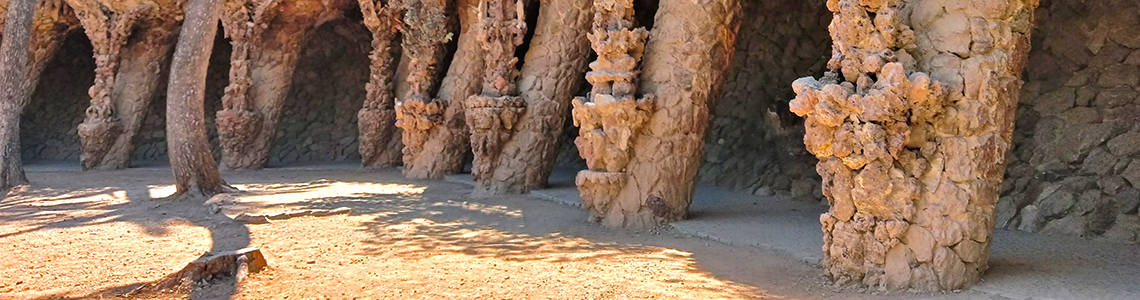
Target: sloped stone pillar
(267, 36)
(911, 127)
(644, 152)
(425, 33)
(492, 115)
(551, 74)
(131, 48)
(380, 145)
(446, 145)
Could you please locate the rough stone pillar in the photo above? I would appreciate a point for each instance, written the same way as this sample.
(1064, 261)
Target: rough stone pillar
(131, 47)
(911, 128)
(493, 114)
(51, 21)
(267, 36)
(425, 34)
(551, 75)
(380, 145)
(644, 153)
(445, 146)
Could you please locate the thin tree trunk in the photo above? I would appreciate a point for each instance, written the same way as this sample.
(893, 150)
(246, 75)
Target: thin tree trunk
(380, 145)
(13, 73)
(553, 70)
(443, 151)
(911, 131)
(195, 171)
(687, 55)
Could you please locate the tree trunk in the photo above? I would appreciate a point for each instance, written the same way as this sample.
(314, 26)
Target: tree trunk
(380, 145)
(911, 127)
(686, 58)
(195, 171)
(553, 71)
(51, 22)
(443, 151)
(267, 38)
(493, 114)
(13, 74)
(425, 34)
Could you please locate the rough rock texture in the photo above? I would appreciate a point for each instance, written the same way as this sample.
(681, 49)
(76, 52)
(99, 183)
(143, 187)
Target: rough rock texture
(493, 114)
(426, 31)
(755, 144)
(1074, 167)
(319, 122)
(643, 177)
(48, 127)
(551, 74)
(611, 114)
(132, 42)
(445, 146)
(911, 128)
(380, 145)
(267, 37)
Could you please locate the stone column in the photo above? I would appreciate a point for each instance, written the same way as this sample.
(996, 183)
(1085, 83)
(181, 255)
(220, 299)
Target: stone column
(644, 153)
(425, 34)
(911, 127)
(493, 114)
(446, 145)
(131, 47)
(550, 77)
(380, 145)
(267, 36)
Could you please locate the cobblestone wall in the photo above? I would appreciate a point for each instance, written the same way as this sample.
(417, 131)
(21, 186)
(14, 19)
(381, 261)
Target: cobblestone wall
(754, 143)
(1075, 168)
(48, 126)
(319, 120)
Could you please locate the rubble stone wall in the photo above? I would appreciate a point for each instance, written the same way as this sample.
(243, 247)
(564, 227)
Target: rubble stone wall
(319, 119)
(1075, 168)
(48, 129)
(755, 144)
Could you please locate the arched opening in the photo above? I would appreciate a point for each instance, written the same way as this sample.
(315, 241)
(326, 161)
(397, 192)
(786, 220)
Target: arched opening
(319, 123)
(48, 134)
(150, 145)
(754, 144)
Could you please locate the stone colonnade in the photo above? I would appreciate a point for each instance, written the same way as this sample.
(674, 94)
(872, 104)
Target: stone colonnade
(911, 126)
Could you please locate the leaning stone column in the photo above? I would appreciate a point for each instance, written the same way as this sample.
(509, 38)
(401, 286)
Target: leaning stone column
(426, 31)
(131, 46)
(446, 145)
(644, 154)
(493, 114)
(267, 36)
(911, 128)
(550, 77)
(380, 145)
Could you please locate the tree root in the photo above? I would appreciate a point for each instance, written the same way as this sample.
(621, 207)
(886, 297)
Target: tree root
(236, 263)
(264, 218)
